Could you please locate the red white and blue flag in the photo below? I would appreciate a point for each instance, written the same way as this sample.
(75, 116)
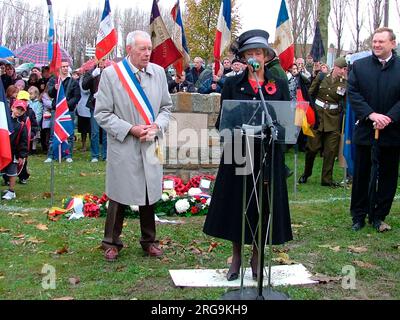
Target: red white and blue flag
(63, 125)
(107, 37)
(164, 51)
(223, 34)
(50, 37)
(284, 43)
(179, 39)
(5, 145)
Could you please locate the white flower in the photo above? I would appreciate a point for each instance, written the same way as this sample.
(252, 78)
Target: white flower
(134, 208)
(165, 197)
(182, 205)
(194, 191)
(208, 201)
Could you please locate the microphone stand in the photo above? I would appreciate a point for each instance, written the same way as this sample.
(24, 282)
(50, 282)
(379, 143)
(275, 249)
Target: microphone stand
(268, 127)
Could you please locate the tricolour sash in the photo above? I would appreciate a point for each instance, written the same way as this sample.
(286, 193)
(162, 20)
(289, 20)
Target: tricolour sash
(134, 90)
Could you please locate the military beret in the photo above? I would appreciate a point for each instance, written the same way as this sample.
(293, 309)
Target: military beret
(253, 39)
(341, 62)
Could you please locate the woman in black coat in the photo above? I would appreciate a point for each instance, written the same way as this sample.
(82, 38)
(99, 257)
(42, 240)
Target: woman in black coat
(224, 218)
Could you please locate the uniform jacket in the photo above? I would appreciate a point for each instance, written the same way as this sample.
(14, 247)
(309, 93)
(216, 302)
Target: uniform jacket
(373, 88)
(325, 88)
(132, 166)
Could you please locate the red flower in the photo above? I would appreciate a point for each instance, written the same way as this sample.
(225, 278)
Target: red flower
(91, 210)
(270, 87)
(194, 210)
(203, 201)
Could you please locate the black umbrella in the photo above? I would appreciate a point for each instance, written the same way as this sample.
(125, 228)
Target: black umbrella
(374, 177)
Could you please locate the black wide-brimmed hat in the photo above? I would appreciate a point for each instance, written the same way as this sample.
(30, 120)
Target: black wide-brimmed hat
(252, 39)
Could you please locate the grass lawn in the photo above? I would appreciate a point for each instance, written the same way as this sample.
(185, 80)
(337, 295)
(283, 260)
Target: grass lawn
(323, 242)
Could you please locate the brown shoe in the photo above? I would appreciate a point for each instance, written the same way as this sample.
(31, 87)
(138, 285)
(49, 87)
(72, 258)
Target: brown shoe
(153, 251)
(380, 226)
(111, 254)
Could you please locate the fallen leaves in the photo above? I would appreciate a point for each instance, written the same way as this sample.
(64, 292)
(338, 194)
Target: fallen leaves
(63, 250)
(212, 246)
(74, 280)
(64, 298)
(283, 258)
(322, 278)
(328, 246)
(4, 230)
(16, 214)
(354, 249)
(364, 265)
(46, 195)
(30, 221)
(18, 242)
(42, 227)
(34, 240)
(82, 174)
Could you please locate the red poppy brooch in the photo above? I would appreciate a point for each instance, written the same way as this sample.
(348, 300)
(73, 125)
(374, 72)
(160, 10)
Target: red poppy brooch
(270, 87)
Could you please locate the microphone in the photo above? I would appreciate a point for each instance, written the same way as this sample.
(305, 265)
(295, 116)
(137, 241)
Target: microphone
(254, 63)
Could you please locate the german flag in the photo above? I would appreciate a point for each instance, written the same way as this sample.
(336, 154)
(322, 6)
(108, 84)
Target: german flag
(305, 115)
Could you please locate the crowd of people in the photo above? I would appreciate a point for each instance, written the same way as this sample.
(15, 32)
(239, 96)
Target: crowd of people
(129, 128)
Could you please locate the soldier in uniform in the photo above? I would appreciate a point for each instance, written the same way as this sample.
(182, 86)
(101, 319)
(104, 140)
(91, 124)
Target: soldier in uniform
(329, 92)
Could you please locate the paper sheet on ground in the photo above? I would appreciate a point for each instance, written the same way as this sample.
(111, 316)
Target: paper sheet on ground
(284, 275)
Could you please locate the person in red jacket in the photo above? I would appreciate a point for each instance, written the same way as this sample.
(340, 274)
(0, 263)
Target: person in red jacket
(19, 146)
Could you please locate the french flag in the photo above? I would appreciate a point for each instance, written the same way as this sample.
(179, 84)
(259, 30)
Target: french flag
(223, 34)
(180, 39)
(5, 146)
(284, 43)
(164, 51)
(63, 126)
(107, 37)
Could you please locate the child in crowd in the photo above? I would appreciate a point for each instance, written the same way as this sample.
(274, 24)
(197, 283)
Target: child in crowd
(19, 146)
(37, 107)
(29, 118)
(46, 120)
(20, 84)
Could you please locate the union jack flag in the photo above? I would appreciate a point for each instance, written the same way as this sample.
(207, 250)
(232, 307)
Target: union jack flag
(63, 125)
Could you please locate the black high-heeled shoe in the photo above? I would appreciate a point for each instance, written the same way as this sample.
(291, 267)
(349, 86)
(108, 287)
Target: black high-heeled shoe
(233, 273)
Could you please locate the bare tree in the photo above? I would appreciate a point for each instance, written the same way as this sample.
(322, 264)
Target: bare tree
(338, 21)
(304, 15)
(356, 24)
(398, 8)
(376, 14)
(3, 17)
(132, 19)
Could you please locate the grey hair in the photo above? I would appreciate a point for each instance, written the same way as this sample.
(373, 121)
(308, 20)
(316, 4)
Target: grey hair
(131, 37)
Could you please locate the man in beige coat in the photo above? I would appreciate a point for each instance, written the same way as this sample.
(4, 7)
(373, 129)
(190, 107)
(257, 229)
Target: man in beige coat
(134, 173)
